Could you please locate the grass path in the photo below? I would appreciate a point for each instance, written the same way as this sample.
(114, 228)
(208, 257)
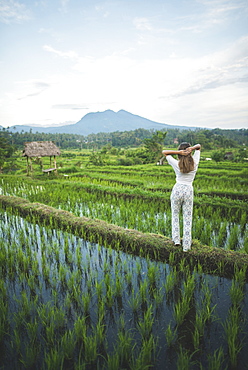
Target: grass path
(158, 247)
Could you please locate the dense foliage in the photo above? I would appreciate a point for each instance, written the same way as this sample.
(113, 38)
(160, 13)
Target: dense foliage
(216, 138)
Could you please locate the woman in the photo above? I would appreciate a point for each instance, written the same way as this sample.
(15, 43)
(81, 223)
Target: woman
(182, 193)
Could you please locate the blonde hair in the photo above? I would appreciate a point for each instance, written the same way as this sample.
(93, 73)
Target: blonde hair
(186, 162)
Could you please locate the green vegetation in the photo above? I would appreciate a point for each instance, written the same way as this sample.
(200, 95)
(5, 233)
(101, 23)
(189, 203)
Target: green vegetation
(133, 299)
(62, 305)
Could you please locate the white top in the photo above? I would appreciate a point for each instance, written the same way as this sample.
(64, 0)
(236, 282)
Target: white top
(184, 178)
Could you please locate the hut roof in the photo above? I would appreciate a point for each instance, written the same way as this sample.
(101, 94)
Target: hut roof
(40, 149)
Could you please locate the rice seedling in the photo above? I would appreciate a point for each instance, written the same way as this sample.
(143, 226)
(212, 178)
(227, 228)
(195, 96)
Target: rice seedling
(145, 356)
(29, 356)
(68, 344)
(184, 361)
(124, 346)
(222, 234)
(143, 291)
(54, 359)
(236, 293)
(80, 329)
(171, 280)
(234, 237)
(32, 330)
(90, 349)
(232, 331)
(145, 325)
(113, 361)
(55, 317)
(216, 360)
(170, 335)
(240, 275)
(181, 308)
(135, 301)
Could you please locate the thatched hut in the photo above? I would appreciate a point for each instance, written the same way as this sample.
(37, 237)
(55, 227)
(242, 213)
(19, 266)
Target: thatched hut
(39, 149)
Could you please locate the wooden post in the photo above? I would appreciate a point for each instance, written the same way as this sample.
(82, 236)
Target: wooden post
(27, 166)
(55, 164)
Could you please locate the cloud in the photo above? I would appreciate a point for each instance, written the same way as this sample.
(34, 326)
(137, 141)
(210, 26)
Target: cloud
(212, 84)
(142, 24)
(13, 12)
(69, 106)
(37, 88)
(100, 9)
(212, 14)
(68, 54)
(63, 8)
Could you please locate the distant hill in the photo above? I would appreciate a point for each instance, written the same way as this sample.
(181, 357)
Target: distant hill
(107, 121)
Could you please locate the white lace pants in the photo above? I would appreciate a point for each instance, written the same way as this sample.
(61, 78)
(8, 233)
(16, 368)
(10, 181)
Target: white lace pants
(182, 198)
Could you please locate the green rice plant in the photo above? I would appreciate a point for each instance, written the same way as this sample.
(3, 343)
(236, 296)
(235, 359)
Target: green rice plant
(171, 258)
(206, 234)
(245, 243)
(32, 330)
(182, 265)
(145, 325)
(54, 359)
(145, 356)
(80, 329)
(143, 291)
(86, 300)
(29, 357)
(135, 301)
(222, 234)
(3, 318)
(233, 240)
(207, 310)
(118, 286)
(110, 296)
(181, 308)
(152, 273)
(113, 361)
(200, 321)
(170, 335)
(236, 293)
(216, 360)
(90, 349)
(232, 330)
(157, 295)
(68, 344)
(189, 285)
(62, 274)
(100, 330)
(171, 281)
(124, 346)
(196, 338)
(240, 275)
(184, 360)
(138, 267)
(16, 343)
(99, 289)
(50, 334)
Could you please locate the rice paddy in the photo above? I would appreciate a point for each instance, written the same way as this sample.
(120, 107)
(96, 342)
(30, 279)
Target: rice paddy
(68, 302)
(71, 304)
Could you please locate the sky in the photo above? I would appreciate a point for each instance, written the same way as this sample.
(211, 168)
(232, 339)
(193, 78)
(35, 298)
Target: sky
(179, 62)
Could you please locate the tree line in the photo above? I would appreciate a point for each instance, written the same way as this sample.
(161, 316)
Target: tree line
(208, 138)
(218, 139)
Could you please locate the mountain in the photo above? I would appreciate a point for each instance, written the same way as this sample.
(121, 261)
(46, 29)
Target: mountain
(107, 121)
